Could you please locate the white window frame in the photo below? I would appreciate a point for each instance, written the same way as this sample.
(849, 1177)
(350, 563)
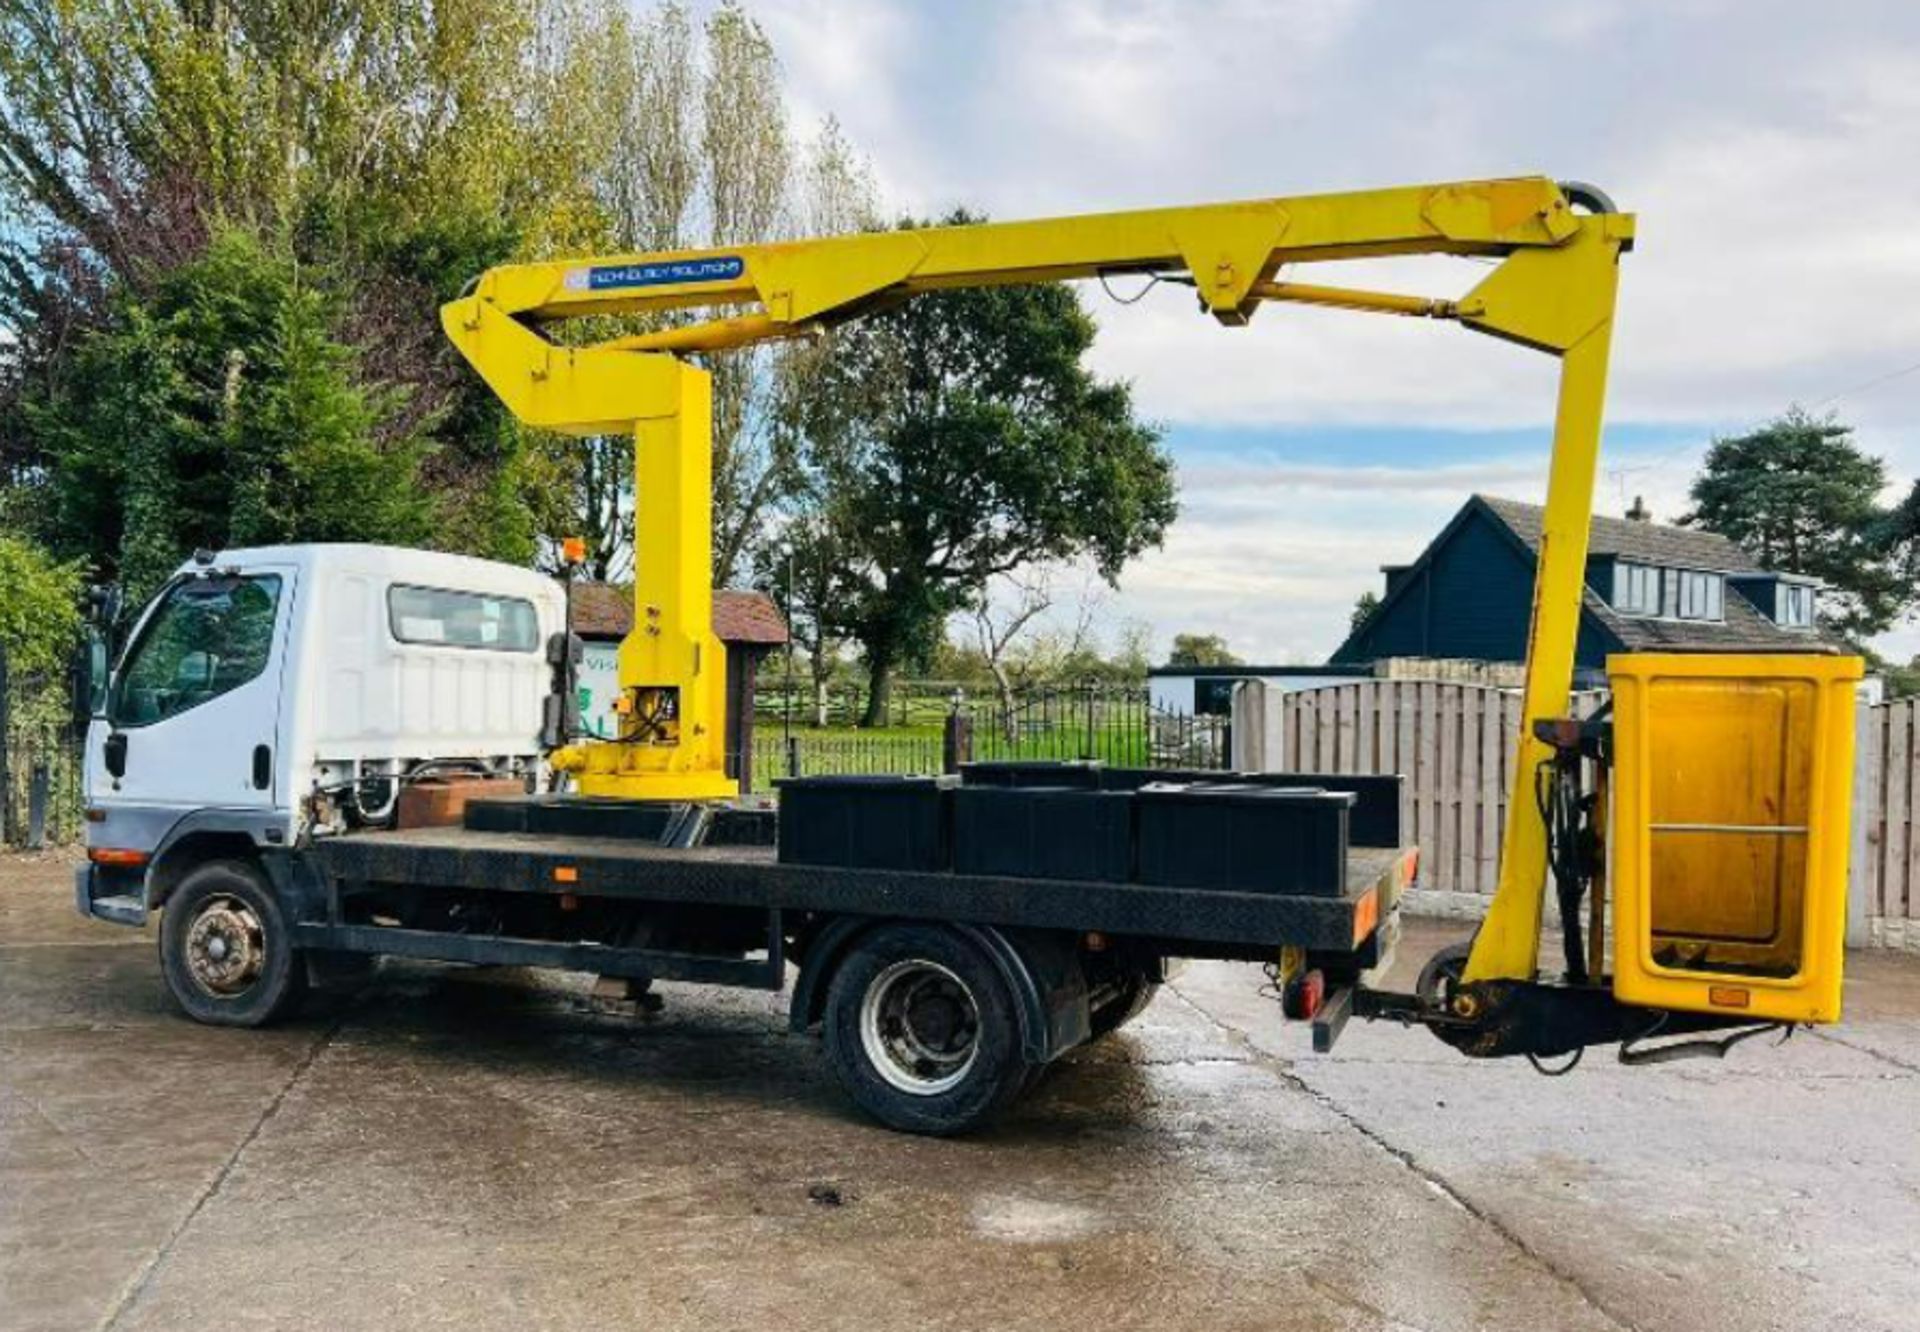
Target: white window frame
(429, 630)
(1636, 588)
(1796, 605)
(1702, 595)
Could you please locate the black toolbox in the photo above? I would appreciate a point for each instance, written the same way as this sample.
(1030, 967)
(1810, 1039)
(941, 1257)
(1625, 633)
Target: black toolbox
(1081, 774)
(899, 823)
(1375, 817)
(575, 816)
(1035, 832)
(1375, 820)
(1243, 838)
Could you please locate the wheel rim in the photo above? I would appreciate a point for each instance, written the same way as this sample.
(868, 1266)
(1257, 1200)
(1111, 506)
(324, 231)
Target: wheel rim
(226, 947)
(920, 1027)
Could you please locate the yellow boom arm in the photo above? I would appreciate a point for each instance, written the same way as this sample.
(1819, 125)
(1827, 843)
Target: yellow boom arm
(1551, 288)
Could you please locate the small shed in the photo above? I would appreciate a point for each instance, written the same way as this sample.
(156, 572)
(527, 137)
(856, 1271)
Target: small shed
(747, 622)
(1207, 691)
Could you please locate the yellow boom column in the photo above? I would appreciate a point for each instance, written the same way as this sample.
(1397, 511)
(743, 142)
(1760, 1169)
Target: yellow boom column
(672, 669)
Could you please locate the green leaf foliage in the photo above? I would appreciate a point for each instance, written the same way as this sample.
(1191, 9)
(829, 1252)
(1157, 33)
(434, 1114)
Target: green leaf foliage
(1800, 496)
(957, 437)
(1200, 650)
(39, 609)
(222, 411)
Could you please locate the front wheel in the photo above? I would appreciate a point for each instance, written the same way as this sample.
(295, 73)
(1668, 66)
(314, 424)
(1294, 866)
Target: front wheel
(226, 949)
(922, 1032)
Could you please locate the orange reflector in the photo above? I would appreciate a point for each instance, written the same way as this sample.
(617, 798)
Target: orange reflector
(1366, 916)
(115, 855)
(95, 814)
(1729, 996)
(566, 874)
(574, 550)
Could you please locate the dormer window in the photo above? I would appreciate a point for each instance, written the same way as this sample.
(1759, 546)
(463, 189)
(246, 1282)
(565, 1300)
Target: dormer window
(1701, 595)
(1796, 606)
(1636, 589)
(1674, 594)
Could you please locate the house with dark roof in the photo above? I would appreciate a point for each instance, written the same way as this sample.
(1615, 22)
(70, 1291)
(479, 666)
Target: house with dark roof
(748, 623)
(1650, 588)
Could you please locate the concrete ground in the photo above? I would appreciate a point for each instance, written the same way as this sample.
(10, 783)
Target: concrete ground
(476, 1150)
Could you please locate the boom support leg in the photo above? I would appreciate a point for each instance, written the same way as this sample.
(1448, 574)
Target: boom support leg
(1508, 945)
(672, 742)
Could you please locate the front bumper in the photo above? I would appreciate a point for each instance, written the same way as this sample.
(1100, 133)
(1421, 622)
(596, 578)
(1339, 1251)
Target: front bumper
(102, 893)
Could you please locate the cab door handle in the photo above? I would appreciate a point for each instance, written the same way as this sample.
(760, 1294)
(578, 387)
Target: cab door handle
(262, 767)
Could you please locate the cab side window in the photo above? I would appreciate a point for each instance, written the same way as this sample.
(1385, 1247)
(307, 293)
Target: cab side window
(209, 637)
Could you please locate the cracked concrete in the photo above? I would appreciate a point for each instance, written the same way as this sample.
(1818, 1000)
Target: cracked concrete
(479, 1149)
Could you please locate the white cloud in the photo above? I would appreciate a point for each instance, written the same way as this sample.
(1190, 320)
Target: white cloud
(1765, 144)
(1760, 142)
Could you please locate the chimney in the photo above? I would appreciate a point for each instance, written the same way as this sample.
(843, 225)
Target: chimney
(1639, 513)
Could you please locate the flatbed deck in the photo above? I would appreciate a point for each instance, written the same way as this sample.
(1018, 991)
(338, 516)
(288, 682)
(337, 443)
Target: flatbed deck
(750, 876)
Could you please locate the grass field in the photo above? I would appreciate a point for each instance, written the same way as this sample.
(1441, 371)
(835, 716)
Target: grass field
(920, 748)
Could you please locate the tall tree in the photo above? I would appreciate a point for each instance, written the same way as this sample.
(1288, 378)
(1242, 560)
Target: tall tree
(696, 150)
(803, 574)
(962, 437)
(998, 627)
(221, 411)
(1200, 650)
(396, 149)
(1363, 608)
(1800, 496)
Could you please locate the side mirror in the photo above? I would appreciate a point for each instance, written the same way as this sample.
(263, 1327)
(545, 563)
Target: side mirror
(90, 694)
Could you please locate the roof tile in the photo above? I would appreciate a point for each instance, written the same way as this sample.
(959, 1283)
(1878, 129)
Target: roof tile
(1651, 543)
(605, 611)
(1744, 629)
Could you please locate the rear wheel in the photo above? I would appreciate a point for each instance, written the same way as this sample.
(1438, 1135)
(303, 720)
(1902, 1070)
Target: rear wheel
(226, 949)
(922, 1032)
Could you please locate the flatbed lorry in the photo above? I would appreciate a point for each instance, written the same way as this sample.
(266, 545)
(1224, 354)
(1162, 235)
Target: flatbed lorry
(274, 708)
(938, 994)
(949, 945)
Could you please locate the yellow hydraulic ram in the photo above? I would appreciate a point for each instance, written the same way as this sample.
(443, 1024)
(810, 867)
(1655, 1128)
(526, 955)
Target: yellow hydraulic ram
(1555, 253)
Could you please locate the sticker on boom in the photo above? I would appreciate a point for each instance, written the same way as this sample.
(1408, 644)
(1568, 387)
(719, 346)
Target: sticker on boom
(667, 273)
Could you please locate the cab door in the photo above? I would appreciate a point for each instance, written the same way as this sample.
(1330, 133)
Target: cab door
(193, 715)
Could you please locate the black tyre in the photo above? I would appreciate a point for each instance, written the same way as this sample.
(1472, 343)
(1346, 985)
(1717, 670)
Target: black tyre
(1442, 972)
(922, 1032)
(226, 949)
(1136, 992)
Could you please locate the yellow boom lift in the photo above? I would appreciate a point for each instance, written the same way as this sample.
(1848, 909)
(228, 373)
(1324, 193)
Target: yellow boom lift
(1730, 774)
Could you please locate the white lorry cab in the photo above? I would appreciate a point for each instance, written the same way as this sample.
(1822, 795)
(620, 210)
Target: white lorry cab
(268, 694)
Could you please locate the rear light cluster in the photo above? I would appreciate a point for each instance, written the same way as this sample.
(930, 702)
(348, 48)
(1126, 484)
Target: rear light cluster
(1303, 997)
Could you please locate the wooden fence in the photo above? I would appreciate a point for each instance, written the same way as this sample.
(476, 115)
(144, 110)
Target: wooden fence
(1884, 885)
(1454, 743)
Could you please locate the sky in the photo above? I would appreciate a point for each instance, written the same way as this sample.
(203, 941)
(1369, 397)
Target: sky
(1769, 150)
